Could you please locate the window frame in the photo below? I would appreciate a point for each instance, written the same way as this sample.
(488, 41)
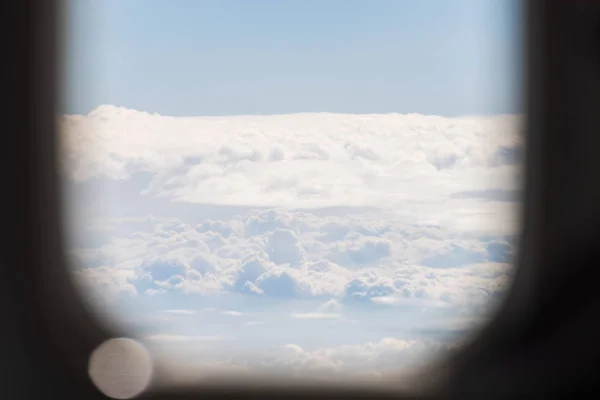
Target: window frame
(53, 333)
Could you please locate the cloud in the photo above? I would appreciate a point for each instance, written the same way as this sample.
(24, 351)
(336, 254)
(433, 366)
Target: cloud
(282, 247)
(489, 194)
(233, 313)
(509, 155)
(162, 270)
(303, 217)
(330, 305)
(357, 249)
(181, 312)
(248, 272)
(407, 301)
(347, 260)
(159, 337)
(454, 255)
(301, 161)
(316, 316)
(280, 282)
(378, 360)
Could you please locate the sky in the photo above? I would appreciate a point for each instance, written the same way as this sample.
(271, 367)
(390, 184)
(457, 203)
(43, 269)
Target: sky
(229, 57)
(323, 189)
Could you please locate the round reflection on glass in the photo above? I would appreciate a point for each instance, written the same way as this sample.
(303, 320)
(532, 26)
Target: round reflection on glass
(120, 368)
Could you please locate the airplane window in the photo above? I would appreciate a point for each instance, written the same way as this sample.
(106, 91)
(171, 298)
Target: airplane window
(306, 189)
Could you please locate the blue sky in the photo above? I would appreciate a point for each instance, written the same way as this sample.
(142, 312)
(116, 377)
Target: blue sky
(228, 57)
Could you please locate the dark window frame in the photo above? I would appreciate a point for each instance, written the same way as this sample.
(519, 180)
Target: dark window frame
(540, 341)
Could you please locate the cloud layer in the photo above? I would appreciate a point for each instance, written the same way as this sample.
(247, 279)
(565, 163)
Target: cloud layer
(386, 359)
(291, 254)
(408, 163)
(291, 222)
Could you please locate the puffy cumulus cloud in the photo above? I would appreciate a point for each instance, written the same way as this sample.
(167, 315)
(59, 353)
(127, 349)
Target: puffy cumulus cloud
(323, 278)
(357, 250)
(283, 248)
(163, 274)
(301, 160)
(220, 228)
(162, 269)
(352, 260)
(249, 271)
(280, 282)
(454, 254)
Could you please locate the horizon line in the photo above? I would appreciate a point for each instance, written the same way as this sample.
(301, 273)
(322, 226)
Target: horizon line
(462, 116)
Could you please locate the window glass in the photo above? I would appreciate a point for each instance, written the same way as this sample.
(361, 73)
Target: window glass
(324, 189)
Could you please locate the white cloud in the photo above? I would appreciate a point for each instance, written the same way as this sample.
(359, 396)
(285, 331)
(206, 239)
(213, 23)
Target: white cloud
(181, 312)
(303, 160)
(330, 305)
(316, 316)
(404, 301)
(233, 313)
(342, 212)
(357, 258)
(282, 247)
(160, 337)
